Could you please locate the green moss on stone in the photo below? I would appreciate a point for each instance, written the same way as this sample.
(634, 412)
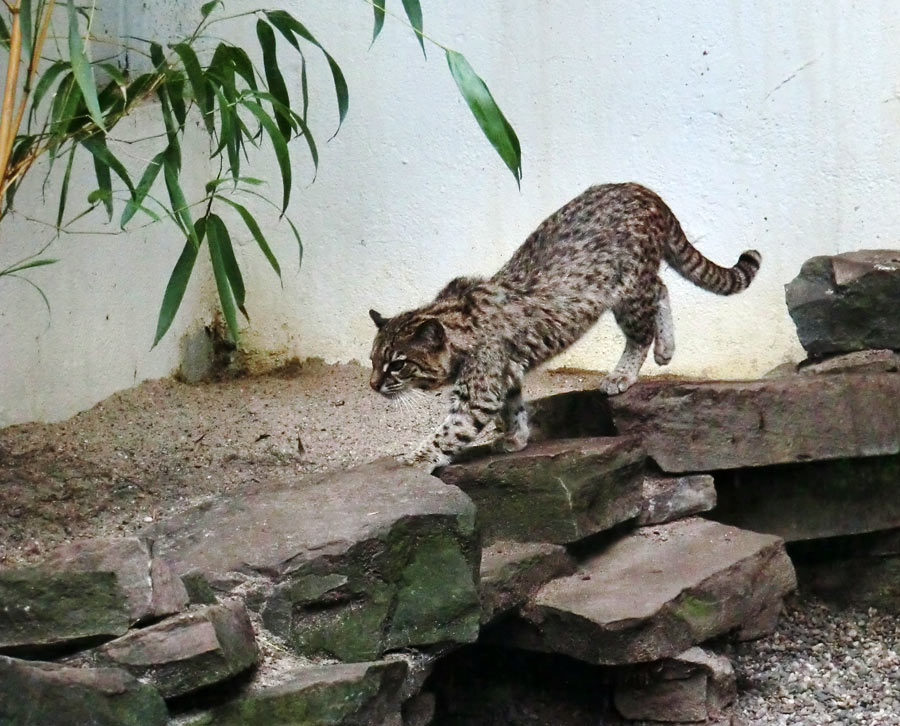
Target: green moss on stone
(437, 600)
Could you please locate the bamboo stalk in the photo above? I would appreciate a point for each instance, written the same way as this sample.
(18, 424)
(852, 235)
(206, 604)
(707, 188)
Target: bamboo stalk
(7, 133)
(33, 65)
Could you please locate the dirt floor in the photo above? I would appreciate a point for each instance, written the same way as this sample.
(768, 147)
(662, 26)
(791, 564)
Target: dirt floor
(164, 446)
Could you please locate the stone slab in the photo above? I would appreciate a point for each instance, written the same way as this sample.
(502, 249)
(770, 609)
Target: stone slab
(557, 491)
(348, 565)
(666, 499)
(186, 652)
(847, 302)
(814, 500)
(151, 588)
(354, 694)
(657, 592)
(694, 686)
(695, 427)
(33, 693)
(511, 572)
(44, 610)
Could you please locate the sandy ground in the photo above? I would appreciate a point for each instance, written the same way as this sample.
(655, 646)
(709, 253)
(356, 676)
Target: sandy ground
(163, 446)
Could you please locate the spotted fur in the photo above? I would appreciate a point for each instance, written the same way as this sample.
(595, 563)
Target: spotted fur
(601, 251)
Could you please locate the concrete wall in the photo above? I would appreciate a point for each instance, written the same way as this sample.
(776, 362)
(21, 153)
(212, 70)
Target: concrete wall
(763, 125)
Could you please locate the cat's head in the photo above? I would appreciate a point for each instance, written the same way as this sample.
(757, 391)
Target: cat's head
(410, 351)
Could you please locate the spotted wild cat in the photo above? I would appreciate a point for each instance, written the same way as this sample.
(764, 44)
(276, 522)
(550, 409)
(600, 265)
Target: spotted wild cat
(599, 252)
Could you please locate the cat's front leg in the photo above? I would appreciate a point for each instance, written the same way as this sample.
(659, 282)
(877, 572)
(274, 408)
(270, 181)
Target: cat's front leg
(457, 431)
(515, 419)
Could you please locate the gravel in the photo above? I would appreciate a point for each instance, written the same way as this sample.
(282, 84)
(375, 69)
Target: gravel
(822, 666)
(164, 446)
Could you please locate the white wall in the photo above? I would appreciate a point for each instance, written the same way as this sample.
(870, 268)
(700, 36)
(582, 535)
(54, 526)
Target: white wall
(763, 125)
(104, 295)
(773, 126)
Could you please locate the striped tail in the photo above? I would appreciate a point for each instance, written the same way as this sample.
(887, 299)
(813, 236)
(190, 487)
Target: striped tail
(687, 260)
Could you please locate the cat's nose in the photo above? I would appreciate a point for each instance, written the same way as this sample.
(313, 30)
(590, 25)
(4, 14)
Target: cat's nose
(374, 382)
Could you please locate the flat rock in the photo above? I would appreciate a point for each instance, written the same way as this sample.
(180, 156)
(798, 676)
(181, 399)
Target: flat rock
(556, 491)
(694, 686)
(33, 693)
(847, 302)
(186, 652)
(511, 572)
(657, 592)
(693, 427)
(666, 499)
(860, 361)
(812, 501)
(348, 566)
(150, 587)
(41, 610)
(349, 694)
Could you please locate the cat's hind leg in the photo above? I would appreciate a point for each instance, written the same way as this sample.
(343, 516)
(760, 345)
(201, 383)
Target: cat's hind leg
(625, 374)
(636, 317)
(664, 340)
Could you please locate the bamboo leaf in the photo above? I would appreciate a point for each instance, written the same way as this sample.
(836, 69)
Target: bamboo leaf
(81, 68)
(207, 8)
(26, 21)
(199, 83)
(100, 195)
(28, 265)
(299, 241)
(23, 148)
(242, 64)
(175, 87)
(255, 230)
(304, 87)
(104, 181)
(288, 25)
(214, 184)
(215, 227)
(229, 133)
(62, 111)
(489, 116)
(304, 129)
(174, 293)
(414, 13)
(229, 261)
(378, 7)
(4, 34)
(282, 155)
(115, 74)
(96, 144)
(64, 190)
(45, 83)
(274, 78)
(143, 187)
(182, 214)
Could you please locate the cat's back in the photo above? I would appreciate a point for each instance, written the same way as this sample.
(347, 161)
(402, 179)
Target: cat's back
(587, 230)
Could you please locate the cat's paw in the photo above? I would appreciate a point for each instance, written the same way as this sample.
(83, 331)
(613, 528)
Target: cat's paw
(616, 383)
(509, 443)
(424, 460)
(663, 352)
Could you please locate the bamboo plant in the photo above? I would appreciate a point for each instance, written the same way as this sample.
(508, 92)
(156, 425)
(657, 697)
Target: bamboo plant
(54, 106)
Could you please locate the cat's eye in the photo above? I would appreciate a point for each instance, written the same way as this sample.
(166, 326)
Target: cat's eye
(396, 365)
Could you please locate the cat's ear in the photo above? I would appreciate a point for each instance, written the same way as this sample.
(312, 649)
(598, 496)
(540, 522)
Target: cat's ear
(377, 318)
(431, 333)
